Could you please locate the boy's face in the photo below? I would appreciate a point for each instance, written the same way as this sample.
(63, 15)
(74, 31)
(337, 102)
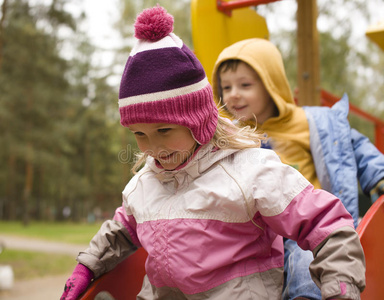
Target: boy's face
(171, 145)
(245, 95)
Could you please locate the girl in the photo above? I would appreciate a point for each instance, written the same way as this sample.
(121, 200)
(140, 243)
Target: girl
(209, 206)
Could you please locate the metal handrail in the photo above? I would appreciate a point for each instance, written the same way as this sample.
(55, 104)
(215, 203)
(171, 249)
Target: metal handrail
(227, 6)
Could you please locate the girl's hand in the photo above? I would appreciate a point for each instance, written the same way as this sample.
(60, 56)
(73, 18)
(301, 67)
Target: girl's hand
(77, 283)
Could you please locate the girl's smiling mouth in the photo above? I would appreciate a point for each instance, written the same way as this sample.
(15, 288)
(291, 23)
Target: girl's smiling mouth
(166, 157)
(238, 108)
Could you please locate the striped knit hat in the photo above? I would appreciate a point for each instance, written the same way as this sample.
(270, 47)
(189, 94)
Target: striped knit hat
(164, 82)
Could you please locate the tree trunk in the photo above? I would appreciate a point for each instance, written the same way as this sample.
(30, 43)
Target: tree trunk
(3, 15)
(10, 207)
(28, 185)
(38, 215)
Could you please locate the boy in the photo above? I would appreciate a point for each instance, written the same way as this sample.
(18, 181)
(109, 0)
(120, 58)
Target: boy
(249, 81)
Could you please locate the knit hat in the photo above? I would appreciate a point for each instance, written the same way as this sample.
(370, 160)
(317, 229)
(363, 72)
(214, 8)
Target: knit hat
(164, 82)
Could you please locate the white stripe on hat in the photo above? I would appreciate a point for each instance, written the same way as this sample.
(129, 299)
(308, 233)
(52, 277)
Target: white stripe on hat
(171, 40)
(165, 94)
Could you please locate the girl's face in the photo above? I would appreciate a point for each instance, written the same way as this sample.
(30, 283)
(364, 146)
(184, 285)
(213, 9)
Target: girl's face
(245, 95)
(171, 145)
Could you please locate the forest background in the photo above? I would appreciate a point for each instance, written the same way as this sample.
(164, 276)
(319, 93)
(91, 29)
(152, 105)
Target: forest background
(63, 153)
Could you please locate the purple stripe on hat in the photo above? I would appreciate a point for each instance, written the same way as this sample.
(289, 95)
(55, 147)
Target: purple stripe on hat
(159, 70)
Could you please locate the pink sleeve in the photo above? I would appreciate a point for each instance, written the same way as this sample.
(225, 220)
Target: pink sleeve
(128, 222)
(310, 217)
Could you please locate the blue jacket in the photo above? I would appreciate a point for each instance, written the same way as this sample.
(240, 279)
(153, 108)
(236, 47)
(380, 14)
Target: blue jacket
(342, 155)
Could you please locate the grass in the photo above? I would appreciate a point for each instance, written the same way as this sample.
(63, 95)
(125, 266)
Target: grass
(28, 264)
(75, 233)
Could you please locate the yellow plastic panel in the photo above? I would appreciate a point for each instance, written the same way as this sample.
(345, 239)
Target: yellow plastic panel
(213, 30)
(376, 34)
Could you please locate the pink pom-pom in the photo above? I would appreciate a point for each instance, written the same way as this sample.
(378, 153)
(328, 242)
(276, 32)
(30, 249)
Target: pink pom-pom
(153, 24)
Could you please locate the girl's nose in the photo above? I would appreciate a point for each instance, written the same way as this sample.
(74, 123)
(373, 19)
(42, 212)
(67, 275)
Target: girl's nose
(155, 149)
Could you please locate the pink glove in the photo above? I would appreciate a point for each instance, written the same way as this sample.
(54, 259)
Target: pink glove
(77, 283)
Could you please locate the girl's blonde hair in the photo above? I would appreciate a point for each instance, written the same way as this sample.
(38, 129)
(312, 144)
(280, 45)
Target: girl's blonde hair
(227, 136)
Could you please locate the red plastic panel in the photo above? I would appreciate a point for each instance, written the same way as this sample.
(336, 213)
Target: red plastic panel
(123, 282)
(371, 233)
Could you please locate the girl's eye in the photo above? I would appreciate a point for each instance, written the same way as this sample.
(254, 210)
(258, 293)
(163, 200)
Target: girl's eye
(163, 130)
(246, 84)
(224, 88)
(138, 133)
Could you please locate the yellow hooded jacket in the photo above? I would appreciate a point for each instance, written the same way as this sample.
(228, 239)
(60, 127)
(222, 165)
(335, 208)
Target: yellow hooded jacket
(289, 131)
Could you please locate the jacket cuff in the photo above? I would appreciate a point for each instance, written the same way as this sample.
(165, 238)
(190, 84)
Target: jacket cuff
(340, 290)
(93, 263)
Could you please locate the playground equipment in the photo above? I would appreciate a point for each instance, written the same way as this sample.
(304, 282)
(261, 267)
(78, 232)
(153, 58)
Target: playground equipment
(376, 34)
(123, 282)
(213, 30)
(370, 231)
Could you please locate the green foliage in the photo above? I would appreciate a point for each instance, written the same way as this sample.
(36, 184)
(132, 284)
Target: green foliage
(60, 134)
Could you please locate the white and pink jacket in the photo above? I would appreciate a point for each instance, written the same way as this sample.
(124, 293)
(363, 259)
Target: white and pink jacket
(213, 229)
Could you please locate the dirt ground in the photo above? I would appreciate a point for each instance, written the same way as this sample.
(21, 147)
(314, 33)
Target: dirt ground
(44, 288)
